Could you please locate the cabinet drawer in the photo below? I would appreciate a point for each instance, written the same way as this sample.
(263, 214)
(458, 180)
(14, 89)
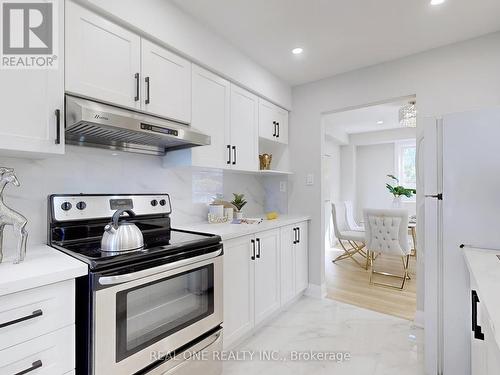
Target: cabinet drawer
(35, 312)
(50, 354)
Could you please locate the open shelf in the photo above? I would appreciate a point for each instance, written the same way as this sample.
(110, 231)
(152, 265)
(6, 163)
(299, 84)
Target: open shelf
(274, 172)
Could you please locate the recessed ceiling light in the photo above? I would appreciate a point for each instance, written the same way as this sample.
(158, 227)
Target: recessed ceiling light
(380, 122)
(297, 51)
(437, 2)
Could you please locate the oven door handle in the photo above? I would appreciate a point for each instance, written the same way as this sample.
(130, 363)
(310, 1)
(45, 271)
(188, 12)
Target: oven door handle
(119, 279)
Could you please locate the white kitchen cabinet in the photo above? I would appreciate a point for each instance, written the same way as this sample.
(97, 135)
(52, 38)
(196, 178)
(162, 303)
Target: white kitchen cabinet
(267, 274)
(261, 275)
(103, 59)
(273, 122)
(166, 83)
(211, 115)
(288, 237)
(29, 101)
(301, 258)
(243, 133)
(294, 261)
(239, 314)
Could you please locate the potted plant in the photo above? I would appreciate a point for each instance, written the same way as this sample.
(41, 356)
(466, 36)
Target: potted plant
(239, 202)
(398, 191)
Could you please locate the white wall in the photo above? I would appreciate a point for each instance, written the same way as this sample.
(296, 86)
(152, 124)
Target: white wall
(90, 170)
(163, 21)
(459, 77)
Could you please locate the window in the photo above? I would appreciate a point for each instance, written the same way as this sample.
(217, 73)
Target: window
(406, 153)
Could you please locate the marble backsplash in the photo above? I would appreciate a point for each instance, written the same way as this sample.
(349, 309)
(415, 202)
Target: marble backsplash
(88, 170)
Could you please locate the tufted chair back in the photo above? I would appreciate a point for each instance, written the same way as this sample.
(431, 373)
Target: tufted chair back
(386, 231)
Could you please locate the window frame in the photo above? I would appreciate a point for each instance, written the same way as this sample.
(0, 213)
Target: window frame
(399, 148)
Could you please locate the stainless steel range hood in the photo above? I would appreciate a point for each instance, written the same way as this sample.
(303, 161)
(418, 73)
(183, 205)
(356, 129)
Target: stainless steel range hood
(94, 124)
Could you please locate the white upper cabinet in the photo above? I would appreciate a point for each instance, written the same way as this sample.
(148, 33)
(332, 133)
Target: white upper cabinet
(166, 82)
(243, 134)
(273, 122)
(29, 101)
(211, 115)
(267, 274)
(103, 60)
(109, 63)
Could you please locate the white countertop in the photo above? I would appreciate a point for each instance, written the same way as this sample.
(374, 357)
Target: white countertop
(43, 265)
(228, 231)
(485, 269)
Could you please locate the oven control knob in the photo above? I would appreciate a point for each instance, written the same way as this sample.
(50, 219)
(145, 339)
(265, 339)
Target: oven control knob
(66, 206)
(154, 203)
(81, 205)
(163, 202)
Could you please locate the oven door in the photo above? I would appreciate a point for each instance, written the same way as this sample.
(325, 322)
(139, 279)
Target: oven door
(141, 316)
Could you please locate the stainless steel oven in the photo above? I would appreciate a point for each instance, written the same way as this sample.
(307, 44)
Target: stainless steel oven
(145, 313)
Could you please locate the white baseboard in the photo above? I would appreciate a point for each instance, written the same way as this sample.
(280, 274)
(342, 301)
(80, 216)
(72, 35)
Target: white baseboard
(316, 291)
(419, 319)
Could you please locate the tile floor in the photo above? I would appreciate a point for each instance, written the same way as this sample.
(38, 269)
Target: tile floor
(378, 344)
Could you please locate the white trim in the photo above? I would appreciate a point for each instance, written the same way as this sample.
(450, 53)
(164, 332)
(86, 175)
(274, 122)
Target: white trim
(419, 319)
(316, 291)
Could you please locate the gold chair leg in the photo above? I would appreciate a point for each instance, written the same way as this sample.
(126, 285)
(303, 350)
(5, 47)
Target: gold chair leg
(406, 262)
(349, 253)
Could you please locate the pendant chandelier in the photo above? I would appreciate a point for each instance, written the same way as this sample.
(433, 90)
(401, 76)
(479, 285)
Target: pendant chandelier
(408, 114)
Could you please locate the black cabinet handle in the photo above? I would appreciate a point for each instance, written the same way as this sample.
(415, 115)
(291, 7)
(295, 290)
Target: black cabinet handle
(228, 154)
(258, 249)
(58, 126)
(34, 314)
(234, 155)
(34, 366)
(298, 235)
(294, 236)
(475, 327)
(274, 124)
(253, 249)
(137, 83)
(147, 101)
(278, 133)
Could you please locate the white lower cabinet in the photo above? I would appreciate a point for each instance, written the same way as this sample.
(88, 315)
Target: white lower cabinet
(267, 274)
(485, 353)
(37, 330)
(261, 273)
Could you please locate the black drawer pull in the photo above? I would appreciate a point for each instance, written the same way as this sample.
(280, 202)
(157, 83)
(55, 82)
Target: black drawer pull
(137, 84)
(294, 236)
(278, 132)
(475, 327)
(58, 126)
(229, 154)
(274, 123)
(234, 155)
(34, 314)
(298, 235)
(34, 366)
(148, 100)
(258, 248)
(253, 249)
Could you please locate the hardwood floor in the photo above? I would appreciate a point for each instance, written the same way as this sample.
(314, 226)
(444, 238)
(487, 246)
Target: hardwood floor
(349, 283)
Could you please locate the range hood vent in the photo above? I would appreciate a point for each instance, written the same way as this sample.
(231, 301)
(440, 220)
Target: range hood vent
(94, 124)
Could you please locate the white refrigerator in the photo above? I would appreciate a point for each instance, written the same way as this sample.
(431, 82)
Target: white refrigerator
(462, 206)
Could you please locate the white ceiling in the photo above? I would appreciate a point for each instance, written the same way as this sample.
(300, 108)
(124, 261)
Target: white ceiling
(365, 119)
(340, 35)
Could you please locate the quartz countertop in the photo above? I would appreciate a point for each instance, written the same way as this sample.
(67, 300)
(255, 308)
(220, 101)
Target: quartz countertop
(43, 265)
(228, 231)
(484, 267)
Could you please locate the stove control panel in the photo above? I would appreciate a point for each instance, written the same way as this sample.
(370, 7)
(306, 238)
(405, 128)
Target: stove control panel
(86, 207)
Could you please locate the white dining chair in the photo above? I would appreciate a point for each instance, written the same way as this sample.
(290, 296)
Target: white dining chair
(352, 242)
(349, 218)
(386, 233)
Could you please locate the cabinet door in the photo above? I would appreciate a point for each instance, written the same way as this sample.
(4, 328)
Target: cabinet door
(102, 58)
(168, 92)
(211, 111)
(301, 259)
(267, 274)
(238, 289)
(29, 100)
(287, 263)
(282, 119)
(267, 121)
(490, 347)
(244, 137)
